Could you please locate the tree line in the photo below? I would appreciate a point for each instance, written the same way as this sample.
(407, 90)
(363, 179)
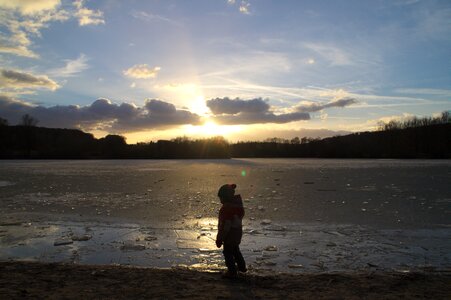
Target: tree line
(428, 137)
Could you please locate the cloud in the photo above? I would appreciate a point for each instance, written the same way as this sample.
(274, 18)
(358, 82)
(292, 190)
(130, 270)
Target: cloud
(28, 7)
(23, 20)
(142, 71)
(260, 118)
(254, 111)
(244, 7)
(160, 107)
(17, 80)
(72, 67)
(335, 55)
(424, 91)
(18, 50)
(228, 106)
(148, 17)
(314, 106)
(87, 16)
(101, 114)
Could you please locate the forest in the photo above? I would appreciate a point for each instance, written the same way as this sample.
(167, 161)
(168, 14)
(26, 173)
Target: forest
(428, 137)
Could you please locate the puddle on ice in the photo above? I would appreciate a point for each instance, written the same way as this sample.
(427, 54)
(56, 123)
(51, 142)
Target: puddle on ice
(4, 183)
(290, 247)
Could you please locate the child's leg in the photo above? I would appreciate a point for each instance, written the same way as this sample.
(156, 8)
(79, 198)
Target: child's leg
(239, 259)
(229, 256)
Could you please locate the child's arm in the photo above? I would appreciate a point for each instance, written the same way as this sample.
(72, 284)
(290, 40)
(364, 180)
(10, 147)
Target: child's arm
(219, 236)
(223, 230)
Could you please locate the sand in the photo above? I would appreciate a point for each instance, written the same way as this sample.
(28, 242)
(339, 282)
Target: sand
(20, 280)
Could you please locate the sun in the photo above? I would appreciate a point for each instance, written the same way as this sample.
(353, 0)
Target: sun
(210, 128)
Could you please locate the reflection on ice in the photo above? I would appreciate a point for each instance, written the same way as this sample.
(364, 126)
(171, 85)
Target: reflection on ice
(6, 183)
(290, 247)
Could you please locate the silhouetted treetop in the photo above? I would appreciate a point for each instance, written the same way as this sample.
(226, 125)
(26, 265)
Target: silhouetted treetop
(412, 122)
(412, 138)
(3, 122)
(29, 121)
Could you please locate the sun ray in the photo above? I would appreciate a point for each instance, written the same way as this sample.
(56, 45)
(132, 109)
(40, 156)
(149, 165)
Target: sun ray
(210, 128)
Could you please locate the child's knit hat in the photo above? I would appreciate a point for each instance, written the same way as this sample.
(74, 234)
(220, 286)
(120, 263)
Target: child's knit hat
(227, 191)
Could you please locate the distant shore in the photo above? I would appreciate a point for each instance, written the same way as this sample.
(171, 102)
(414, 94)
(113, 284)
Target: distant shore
(70, 281)
(396, 141)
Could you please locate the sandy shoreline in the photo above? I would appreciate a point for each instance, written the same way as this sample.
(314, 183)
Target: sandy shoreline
(70, 281)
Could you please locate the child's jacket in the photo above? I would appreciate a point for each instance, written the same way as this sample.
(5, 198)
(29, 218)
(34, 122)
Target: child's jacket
(230, 228)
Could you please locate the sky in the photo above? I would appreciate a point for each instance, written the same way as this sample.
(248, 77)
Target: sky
(245, 70)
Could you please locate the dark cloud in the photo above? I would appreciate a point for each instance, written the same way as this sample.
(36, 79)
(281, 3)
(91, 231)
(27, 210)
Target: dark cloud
(254, 111)
(19, 80)
(102, 113)
(228, 106)
(160, 107)
(260, 118)
(312, 107)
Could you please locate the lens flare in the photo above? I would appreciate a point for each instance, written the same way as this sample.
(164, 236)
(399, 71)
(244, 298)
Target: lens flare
(243, 173)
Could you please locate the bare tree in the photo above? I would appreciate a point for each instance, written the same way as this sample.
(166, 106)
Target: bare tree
(295, 140)
(29, 121)
(3, 122)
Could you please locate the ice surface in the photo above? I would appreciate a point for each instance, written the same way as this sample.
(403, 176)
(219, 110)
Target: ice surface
(318, 215)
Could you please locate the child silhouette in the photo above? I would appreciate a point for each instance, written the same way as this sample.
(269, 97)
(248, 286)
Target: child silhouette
(230, 229)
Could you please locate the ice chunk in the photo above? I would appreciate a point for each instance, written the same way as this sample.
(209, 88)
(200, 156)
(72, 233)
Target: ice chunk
(271, 248)
(150, 238)
(62, 241)
(295, 266)
(266, 222)
(276, 228)
(132, 247)
(84, 237)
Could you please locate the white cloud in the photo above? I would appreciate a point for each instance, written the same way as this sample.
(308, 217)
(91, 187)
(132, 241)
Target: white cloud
(19, 28)
(141, 71)
(18, 80)
(18, 50)
(72, 67)
(87, 16)
(244, 7)
(334, 55)
(29, 7)
(148, 17)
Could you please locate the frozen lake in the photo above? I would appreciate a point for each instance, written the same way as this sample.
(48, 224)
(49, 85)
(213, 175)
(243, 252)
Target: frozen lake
(301, 214)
